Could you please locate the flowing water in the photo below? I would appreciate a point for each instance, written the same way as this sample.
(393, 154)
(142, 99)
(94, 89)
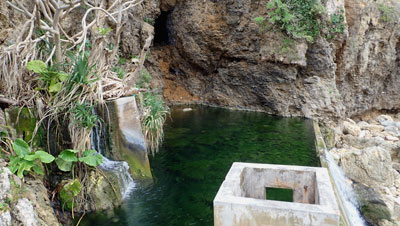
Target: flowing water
(119, 168)
(346, 192)
(199, 148)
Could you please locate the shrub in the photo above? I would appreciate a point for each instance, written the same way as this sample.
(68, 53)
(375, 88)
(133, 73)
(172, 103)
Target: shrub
(300, 19)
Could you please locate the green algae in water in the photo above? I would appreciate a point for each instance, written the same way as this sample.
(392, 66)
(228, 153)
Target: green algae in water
(198, 151)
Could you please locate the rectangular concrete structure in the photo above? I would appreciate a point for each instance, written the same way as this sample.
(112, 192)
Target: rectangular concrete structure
(241, 199)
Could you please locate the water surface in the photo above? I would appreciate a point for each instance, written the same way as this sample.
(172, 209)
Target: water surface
(198, 150)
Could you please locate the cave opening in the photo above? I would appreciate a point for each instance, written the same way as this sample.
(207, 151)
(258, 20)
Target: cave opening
(162, 29)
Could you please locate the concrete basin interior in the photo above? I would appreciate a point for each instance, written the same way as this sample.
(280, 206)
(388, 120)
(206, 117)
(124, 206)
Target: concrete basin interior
(241, 199)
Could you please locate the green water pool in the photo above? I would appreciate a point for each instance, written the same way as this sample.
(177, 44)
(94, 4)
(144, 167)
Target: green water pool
(198, 150)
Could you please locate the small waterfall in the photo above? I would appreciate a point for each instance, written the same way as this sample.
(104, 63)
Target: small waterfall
(346, 192)
(119, 168)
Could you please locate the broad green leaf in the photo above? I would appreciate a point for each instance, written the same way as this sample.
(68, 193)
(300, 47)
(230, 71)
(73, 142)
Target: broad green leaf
(30, 157)
(44, 156)
(37, 66)
(20, 147)
(55, 86)
(74, 186)
(91, 158)
(89, 152)
(62, 76)
(63, 165)
(21, 169)
(68, 192)
(38, 169)
(14, 163)
(68, 155)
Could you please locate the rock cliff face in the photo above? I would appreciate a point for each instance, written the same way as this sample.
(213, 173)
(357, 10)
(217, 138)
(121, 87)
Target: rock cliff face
(216, 54)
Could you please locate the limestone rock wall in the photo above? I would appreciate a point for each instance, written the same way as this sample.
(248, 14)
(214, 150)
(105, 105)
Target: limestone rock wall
(218, 56)
(25, 204)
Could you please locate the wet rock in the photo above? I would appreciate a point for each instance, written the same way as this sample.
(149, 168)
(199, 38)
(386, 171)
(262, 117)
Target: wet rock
(371, 166)
(104, 191)
(372, 205)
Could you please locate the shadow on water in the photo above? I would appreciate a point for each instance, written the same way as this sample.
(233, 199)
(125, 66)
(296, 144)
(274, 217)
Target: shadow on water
(198, 150)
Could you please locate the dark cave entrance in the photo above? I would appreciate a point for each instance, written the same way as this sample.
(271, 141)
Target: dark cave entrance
(162, 29)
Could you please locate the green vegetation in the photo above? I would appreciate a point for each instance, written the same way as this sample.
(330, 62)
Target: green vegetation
(153, 120)
(69, 192)
(104, 31)
(50, 76)
(68, 76)
(67, 158)
(287, 46)
(336, 24)
(154, 112)
(299, 19)
(388, 13)
(84, 115)
(144, 79)
(149, 21)
(25, 161)
(120, 71)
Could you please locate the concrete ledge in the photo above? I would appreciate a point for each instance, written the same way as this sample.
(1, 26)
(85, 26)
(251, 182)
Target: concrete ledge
(241, 199)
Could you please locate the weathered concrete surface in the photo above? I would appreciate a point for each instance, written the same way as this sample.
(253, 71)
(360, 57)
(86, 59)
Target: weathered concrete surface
(128, 141)
(238, 199)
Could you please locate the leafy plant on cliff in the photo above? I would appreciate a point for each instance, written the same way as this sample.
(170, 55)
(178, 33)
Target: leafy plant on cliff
(68, 193)
(25, 160)
(297, 18)
(50, 77)
(336, 24)
(67, 158)
(300, 19)
(388, 14)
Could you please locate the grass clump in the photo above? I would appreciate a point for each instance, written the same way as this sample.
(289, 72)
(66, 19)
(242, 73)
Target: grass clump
(153, 118)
